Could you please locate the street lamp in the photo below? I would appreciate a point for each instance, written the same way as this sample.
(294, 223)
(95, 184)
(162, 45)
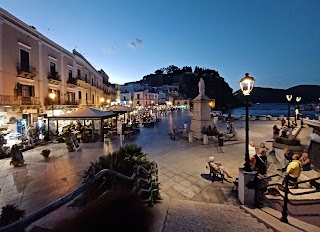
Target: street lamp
(298, 99)
(101, 102)
(246, 85)
(52, 95)
(289, 97)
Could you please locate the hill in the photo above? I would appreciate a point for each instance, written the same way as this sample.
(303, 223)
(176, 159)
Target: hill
(308, 94)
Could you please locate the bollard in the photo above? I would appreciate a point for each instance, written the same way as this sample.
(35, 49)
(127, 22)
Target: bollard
(190, 138)
(205, 139)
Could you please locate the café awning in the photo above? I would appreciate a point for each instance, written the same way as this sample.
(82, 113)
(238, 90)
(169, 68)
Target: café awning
(86, 113)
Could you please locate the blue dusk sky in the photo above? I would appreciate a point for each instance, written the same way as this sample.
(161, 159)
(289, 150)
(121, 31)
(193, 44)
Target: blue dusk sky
(276, 41)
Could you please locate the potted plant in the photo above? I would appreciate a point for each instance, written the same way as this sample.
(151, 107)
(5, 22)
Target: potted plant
(11, 213)
(45, 153)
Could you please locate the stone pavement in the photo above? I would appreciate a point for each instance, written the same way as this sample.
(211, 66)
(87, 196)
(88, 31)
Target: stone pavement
(183, 177)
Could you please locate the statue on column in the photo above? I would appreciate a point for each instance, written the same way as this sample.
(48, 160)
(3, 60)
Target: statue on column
(201, 87)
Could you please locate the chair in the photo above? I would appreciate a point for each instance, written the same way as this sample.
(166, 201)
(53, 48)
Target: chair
(214, 174)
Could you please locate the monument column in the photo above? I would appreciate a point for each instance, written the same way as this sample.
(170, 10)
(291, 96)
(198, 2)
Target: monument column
(201, 112)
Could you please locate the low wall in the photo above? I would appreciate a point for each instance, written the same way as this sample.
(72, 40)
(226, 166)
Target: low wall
(291, 148)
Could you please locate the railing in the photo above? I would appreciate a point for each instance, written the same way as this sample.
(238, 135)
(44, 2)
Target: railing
(135, 178)
(72, 81)
(286, 192)
(54, 76)
(19, 100)
(73, 102)
(26, 69)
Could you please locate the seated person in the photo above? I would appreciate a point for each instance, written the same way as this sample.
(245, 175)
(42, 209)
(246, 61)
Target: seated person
(287, 156)
(284, 132)
(305, 161)
(218, 166)
(210, 131)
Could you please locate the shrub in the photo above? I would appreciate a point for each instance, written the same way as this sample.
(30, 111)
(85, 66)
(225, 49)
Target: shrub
(121, 161)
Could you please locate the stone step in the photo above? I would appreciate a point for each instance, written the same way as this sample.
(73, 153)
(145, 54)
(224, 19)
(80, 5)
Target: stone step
(271, 218)
(185, 215)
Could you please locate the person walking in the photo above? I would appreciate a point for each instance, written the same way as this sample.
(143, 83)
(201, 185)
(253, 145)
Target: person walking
(220, 141)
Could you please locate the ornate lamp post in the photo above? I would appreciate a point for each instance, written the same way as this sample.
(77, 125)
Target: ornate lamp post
(246, 85)
(108, 102)
(101, 102)
(298, 99)
(52, 95)
(289, 98)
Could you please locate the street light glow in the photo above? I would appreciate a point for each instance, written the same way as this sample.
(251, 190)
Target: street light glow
(246, 84)
(52, 95)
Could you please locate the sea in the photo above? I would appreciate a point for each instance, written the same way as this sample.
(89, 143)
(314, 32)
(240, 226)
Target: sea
(273, 109)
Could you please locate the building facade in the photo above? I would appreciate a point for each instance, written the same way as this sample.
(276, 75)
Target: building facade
(38, 76)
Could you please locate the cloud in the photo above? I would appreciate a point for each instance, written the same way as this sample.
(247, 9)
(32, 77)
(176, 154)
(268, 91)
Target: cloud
(134, 44)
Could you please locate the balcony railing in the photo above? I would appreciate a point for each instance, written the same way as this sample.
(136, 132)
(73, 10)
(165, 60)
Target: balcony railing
(26, 71)
(72, 102)
(72, 81)
(19, 100)
(54, 76)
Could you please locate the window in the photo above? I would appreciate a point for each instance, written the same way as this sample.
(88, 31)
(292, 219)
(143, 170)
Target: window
(124, 98)
(24, 90)
(138, 102)
(86, 96)
(138, 96)
(80, 95)
(24, 60)
(52, 68)
(92, 81)
(70, 74)
(79, 73)
(92, 99)
(86, 77)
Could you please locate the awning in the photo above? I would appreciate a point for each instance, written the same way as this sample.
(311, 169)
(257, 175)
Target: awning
(86, 113)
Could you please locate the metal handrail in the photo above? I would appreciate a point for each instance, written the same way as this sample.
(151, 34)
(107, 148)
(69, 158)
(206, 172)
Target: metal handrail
(26, 221)
(285, 210)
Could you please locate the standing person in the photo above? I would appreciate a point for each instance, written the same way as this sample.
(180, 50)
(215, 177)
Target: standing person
(294, 169)
(185, 127)
(261, 162)
(283, 122)
(220, 141)
(276, 132)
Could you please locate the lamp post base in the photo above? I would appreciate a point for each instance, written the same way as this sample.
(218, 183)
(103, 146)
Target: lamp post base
(245, 195)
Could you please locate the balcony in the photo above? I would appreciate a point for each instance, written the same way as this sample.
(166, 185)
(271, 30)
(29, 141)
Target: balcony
(72, 82)
(54, 78)
(71, 102)
(8, 100)
(26, 71)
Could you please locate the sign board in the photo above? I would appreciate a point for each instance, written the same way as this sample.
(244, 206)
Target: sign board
(75, 143)
(119, 127)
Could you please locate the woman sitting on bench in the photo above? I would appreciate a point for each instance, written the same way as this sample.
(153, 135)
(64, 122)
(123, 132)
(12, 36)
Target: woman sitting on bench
(218, 166)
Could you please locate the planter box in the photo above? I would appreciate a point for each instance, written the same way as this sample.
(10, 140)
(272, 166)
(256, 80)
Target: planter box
(291, 148)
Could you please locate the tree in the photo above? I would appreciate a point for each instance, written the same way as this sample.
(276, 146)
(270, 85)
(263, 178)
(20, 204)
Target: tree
(159, 71)
(172, 69)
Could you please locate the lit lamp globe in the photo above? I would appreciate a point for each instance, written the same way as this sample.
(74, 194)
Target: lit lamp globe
(102, 99)
(52, 95)
(246, 84)
(108, 101)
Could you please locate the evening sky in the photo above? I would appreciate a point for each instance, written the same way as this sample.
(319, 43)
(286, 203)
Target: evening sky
(276, 41)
